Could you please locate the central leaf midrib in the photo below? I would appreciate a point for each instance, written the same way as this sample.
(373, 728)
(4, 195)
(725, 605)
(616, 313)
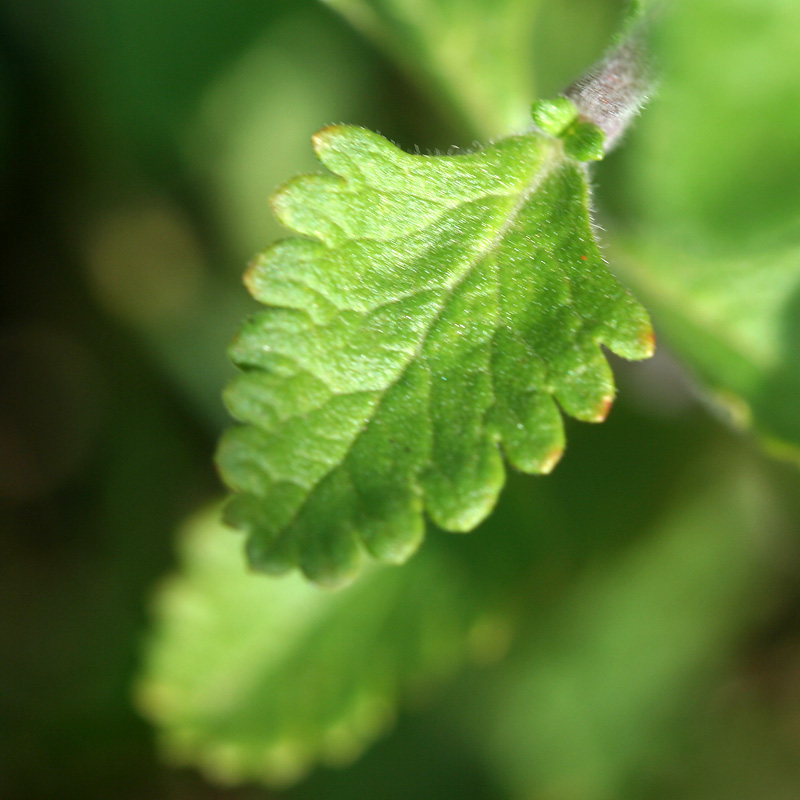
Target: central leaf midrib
(544, 168)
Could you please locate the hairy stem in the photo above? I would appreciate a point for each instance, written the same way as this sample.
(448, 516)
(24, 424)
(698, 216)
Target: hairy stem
(612, 92)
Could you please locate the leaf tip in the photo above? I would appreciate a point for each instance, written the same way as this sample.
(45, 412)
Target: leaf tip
(323, 137)
(336, 579)
(603, 408)
(278, 201)
(648, 341)
(639, 340)
(550, 461)
(250, 277)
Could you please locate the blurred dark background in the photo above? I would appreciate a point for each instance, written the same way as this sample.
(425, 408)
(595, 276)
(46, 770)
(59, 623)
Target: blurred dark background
(139, 143)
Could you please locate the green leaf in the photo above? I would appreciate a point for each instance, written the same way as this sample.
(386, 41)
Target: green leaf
(474, 53)
(259, 680)
(735, 321)
(615, 668)
(716, 166)
(441, 307)
(716, 155)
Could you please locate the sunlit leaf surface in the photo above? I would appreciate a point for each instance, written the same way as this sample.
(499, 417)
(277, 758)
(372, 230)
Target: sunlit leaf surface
(253, 679)
(437, 314)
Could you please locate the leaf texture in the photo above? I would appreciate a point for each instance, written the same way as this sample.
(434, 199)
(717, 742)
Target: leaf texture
(436, 309)
(256, 680)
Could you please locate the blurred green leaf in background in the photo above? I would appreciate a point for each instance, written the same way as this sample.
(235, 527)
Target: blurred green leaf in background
(628, 627)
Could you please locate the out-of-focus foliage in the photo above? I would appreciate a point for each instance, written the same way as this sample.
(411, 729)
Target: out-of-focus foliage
(716, 151)
(596, 692)
(139, 144)
(477, 54)
(716, 250)
(736, 322)
(260, 679)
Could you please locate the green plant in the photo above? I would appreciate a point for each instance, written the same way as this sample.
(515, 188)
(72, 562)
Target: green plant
(438, 312)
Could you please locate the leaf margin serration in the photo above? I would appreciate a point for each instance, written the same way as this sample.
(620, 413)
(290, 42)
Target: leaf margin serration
(262, 515)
